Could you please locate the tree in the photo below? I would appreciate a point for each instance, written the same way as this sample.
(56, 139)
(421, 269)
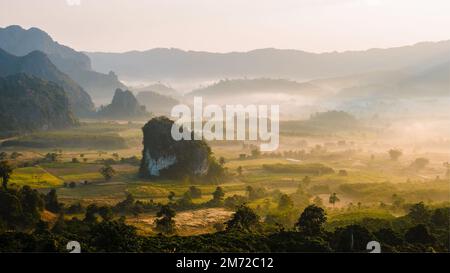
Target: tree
(333, 199)
(306, 180)
(15, 155)
(32, 204)
(447, 166)
(318, 201)
(419, 235)
(106, 213)
(239, 170)
(418, 213)
(244, 219)
(256, 193)
(195, 192)
(52, 157)
(114, 236)
(311, 220)
(171, 196)
(285, 202)
(51, 202)
(395, 154)
(218, 195)
(108, 172)
(221, 161)
(10, 209)
(90, 216)
(441, 217)
(215, 171)
(256, 153)
(5, 173)
(186, 200)
(353, 238)
(389, 237)
(420, 163)
(397, 201)
(165, 223)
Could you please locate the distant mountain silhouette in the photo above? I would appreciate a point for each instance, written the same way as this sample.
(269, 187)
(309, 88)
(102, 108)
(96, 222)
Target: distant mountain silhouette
(37, 64)
(157, 88)
(156, 103)
(175, 64)
(20, 42)
(123, 105)
(28, 103)
(238, 87)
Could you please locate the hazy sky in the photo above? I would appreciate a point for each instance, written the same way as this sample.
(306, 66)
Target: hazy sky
(232, 25)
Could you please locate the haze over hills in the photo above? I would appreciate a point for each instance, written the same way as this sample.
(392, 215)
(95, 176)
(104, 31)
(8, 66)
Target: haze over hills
(77, 65)
(37, 64)
(157, 103)
(28, 103)
(174, 64)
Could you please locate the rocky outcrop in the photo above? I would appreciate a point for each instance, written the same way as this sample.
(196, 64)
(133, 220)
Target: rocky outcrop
(28, 104)
(164, 157)
(123, 105)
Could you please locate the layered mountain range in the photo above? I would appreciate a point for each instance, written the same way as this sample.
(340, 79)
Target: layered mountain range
(18, 41)
(39, 65)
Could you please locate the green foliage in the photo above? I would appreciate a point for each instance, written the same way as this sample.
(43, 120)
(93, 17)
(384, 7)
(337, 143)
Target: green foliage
(285, 202)
(195, 192)
(51, 202)
(114, 236)
(419, 235)
(311, 221)
(165, 223)
(5, 173)
(41, 104)
(353, 238)
(333, 199)
(395, 154)
(419, 213)
(244, 219)
(420, 163)
(218, 196)
(108, 172)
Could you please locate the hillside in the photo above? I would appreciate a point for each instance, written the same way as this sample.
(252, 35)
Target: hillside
(37, 64)
(156, 103)
(260, 85)
(29, 104)
(123, 105)
(20, 42)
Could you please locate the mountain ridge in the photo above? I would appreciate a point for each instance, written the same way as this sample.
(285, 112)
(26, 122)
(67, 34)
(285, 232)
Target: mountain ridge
(37, 63)
(77, 65)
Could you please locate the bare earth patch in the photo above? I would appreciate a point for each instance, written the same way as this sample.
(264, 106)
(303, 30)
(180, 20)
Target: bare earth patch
(192, 222)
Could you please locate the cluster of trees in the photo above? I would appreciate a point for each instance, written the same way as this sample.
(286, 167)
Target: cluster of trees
(421, 230)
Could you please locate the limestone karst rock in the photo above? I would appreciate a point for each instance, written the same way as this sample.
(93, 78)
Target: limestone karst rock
(164, 157)
(124, 105)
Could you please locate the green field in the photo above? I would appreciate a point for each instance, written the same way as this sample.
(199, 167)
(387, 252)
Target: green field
(363, 178)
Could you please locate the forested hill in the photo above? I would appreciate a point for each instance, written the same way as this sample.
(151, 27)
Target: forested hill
(28, 104)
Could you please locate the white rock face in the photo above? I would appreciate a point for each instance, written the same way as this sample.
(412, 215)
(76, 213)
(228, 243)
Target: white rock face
(156, 165)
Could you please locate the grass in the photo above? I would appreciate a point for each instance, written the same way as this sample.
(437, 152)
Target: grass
(369, 181)
(35, 177)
